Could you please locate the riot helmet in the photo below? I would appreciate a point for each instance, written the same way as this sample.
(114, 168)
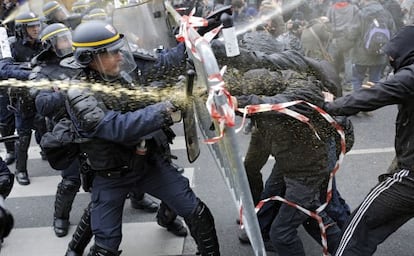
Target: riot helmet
(55, 12)
(95, 14)
(100, 46)
(27, 26)
(82, 6)
(58, 38)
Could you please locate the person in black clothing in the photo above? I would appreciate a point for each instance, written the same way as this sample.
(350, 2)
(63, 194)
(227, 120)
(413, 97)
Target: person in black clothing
(390, 203)
(27, 45)
(6, 185)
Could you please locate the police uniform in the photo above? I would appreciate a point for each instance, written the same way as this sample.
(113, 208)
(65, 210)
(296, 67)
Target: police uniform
(125, 151)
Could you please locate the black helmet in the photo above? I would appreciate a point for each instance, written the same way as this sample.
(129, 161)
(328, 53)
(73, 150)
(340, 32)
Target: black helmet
(93, 38)
(95, 14)
(24, 20)
(82, 6)
(55, 12)
(58, 38)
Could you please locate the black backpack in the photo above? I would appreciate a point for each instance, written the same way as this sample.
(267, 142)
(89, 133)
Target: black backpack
(377, 34)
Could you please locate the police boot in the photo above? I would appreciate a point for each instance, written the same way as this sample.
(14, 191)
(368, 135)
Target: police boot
(82, 235)
(10, 147)
(201, 225)
(168, 219)
(65, 195)
(142, 202)
(22, 146)
(97, 250)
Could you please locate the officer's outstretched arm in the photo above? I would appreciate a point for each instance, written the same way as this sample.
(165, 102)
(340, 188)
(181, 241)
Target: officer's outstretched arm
(94, 120)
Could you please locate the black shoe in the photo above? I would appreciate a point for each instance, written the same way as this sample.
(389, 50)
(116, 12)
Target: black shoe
(243, 238)
(145, 204)
(22, 178)
(10, 158)
(269, 246)
(61, 227)
(177, 228)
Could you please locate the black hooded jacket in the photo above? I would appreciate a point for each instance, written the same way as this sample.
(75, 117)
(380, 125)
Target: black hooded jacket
(398, 89)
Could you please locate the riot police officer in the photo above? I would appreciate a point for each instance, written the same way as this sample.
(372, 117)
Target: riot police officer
(27, 29)
(27, 45)
(54, 12)
(112, 154)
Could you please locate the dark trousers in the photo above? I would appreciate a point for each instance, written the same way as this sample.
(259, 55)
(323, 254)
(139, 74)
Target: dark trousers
(387, 207)
(160, 180)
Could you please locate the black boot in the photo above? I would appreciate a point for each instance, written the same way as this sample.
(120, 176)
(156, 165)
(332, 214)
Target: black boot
(82, 235)
(22, 146)
(143, 202)
(202, 229)
(97, 250)
(65, 195)
(168, 219)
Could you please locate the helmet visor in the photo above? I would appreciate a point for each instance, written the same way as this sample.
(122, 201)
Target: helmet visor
(114, 61)
(62, 44)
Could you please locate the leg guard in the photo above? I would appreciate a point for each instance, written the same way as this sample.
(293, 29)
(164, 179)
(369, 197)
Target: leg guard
(65, 195)
(97, 250)
(201, 225)
(167, 218)
(82, 236)
(22, 146)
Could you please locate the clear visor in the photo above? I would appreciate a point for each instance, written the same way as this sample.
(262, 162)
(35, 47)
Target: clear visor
(62, 44)
(115, 61)
(60, 14)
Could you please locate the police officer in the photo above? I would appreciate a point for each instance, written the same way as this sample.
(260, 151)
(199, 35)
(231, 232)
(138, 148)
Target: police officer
(115, 137)
(54, 12)
(27, 45)
(27, 30)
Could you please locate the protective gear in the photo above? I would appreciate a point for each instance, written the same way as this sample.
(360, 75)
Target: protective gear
(168, 219)
(65, 195)
(6, 183)
(55, 12)
(202, 229)
(10, 147)
(95, 49)
(142, 202)
(58, 38)
(85, 108)
(97, 250)
(81, 6)
(22, 146)
(23, 21)
(95, 14)
(82, 235)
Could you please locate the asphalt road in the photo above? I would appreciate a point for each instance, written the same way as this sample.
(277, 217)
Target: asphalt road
(32, 206)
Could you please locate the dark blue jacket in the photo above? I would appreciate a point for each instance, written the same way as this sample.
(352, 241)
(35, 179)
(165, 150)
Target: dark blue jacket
(8, 69)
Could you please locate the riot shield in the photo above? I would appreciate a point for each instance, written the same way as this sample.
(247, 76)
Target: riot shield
(5, 51)
(225, 151)
(145, 25)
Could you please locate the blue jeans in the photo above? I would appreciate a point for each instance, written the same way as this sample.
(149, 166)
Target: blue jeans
(359, 72)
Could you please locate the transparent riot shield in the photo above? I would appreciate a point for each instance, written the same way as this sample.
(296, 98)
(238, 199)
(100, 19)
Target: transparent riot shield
(145, 25)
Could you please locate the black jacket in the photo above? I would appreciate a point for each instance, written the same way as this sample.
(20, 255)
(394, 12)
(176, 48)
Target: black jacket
(398, 89)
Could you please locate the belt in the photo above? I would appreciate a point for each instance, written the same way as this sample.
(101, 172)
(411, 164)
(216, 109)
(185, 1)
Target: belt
(115, 173)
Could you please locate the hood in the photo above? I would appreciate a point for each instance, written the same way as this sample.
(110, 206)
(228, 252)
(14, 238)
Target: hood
(401, 48)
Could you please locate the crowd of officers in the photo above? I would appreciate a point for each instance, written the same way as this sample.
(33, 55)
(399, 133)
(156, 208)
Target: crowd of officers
(120, 153)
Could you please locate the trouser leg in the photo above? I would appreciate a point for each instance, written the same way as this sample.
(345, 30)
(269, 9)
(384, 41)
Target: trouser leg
(256, 157)
(165, 183)
(387, 207)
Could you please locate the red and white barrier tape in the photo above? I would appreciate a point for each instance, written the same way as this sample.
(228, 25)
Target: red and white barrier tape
(282, 108)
